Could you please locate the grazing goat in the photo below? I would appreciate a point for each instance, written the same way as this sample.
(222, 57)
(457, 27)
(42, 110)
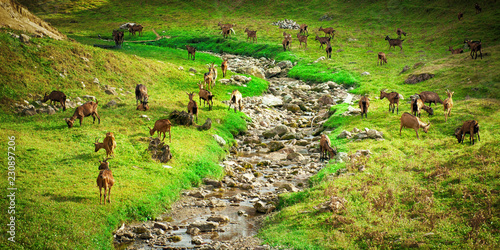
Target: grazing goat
(56, 96)
(474, 46)
(162, 126)
(87, 109)
(141, 93)
(135, 28)
(393, 98)
(223, 67)
(236, 100)
(478, 8)
(448, 104)
(328, 31)
(394, 42)
(364, 103)
(326, 148)
(192, 106)
(227, 26)
(430, 97)
(381, 58)
(118, 37)
(322, 40)
(303, 29)
(399, 32)
(109, 144)
(191, 51)
(286, 43)
(455, 51)
(251, 34)
(417, 105)
(302, 39)
(328, 50)
(206, 95)
(105, 181)
(210, 76)
(226, 32)
(143, 106)
(410, 121)
(460, 16)
(286, 35)
(469, 127)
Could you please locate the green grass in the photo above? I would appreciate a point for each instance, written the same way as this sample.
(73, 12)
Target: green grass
(410, 189)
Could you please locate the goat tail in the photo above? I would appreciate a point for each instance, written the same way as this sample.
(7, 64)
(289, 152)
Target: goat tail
(363, 103)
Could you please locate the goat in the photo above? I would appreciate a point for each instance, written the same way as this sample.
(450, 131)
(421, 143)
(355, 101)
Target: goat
(322, 40)
(251, 34)
(105, 180)
(226, 32)
(143, 106)
(162, 126)
(141, 93)
(394, 42)
(210, 76)
(56, 96)
(381, 58)
(326, 148)
(410, 121)
(109, 144)
(478, 8)
(192, 106)
(286, 35)
(364, 103)
(286, 43)
(475, 46)
(417, 105)
(302, 39)
(460, 16)
(223, 67)
(455, 51)
(227, 26)
(400, 32)
(393, 98)
(469, 127)
(328, 31)
(236, 99)
(206, 95)
(328, 50)
(135, 28)
(118, 37)
(303, 29)
(191, 51)
(87, 109)
(448, 104)
(430, 97)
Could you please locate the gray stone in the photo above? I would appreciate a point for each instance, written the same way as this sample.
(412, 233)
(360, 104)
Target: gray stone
(365, 73)
(252, 139)
(112, 103)
(345, 134)
(321, 87)
(273, 71)
(287, 98)
(253, 70)
(96, 80)
(216, 203)
(319, 59)
(141, 229)
(193, 70)
(290, 187)
(181, 68)
(87, 97)
(193, 231)
(294, 156)
(271, 100)
(219, 218)
(292, 107)
(247, 177)
(326, 100)
(361, 136)
(342, 157)
(29, 111)
(162, 226)
(262, 207)
(275, 146)
(203, 226)
(214, 183)
(24, 38)
(197, 240)
(110, 92)
(145, 236)
(285, 64)
(220, 140)
(288, 136)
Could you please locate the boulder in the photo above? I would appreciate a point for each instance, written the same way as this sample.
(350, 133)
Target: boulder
(197, 240)
(342, 157)
(162, 226)
(262, 207)
(294, 156)
(413, 79)
(271, 100)
(289, 187)
(344, 134)
(29, 111)
(287, 98)
(248, 177)
(273, 71)
(321, 87)
(204, 226)
(111, 103)
(193, 231)
(275, 146)
(326, 100)
(24, 38)
(219, 218)
(181, 118)
(292, 107)
(285, 64)
(253, 70)
(220, 140)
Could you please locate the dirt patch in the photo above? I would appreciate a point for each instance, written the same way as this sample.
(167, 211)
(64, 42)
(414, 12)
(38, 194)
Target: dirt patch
(412, 79)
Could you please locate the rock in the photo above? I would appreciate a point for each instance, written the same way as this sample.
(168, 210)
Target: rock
(285, 64)
(351, 39)
(110, 104)
(252, 139)
(344, 134)
(271, 100)
(292, 107)
(197, 194)
(275, 146)
(413, 79)
(351, 110)
(193, 70)
(406, 68)
(214, 183)
(262, 207)
(96, 80)
(287, 98)
(181, 68)
(161, 226)
(355, 130)
(193, 231)
(219, 218)
(174, 238)
(342, 157)
(288, 136)
(273, 71)
(219, 140)
(319, 59)
(29, 111)
(247, 177)
(206, 126)
(326, 100)
(88, 97)
(159, 150)
(197, 240)
(294, 156)
(207, 226)
(290, 187)
(224, 81)
(279, 130)
(24, 38)
(110, 91)
(181, 118)
(365, 73)
(418, 65)
(145, 236)
(140, 230)
(253, 70)
(216, 203)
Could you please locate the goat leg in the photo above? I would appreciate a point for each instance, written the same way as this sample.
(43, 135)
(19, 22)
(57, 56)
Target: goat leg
(109, 195)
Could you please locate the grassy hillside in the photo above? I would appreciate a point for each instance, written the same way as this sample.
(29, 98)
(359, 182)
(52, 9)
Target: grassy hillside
(431, 192)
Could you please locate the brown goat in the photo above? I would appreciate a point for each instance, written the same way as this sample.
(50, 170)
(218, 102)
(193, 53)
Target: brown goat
(455, 51)
(328, 31)
(448, 104)
(141, 93)
(206, 95)
(210, 76)
(364, 103)
(87, 109)
(475, 46)
(191, 51)
(410, 121)
(105, 181)
(286, 43)
(227, 26)
(223, 67)
(325, 147)
(162, 126)
(328, 50)
(236, 100)
(478, 8)
(322, 40)
(251, 34)
(135, 28)
(400, 32)
(381, 58)
(143, 106)
(286, 35)
(393, 98)
(226, 32)
(469, 127)
(192, 106)
(303, 29)
(118, 37)
(460, 16)
(56, 96)
(394, 42)
(430, 97)
(417, 105)
(109, 144)
(302, 39)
